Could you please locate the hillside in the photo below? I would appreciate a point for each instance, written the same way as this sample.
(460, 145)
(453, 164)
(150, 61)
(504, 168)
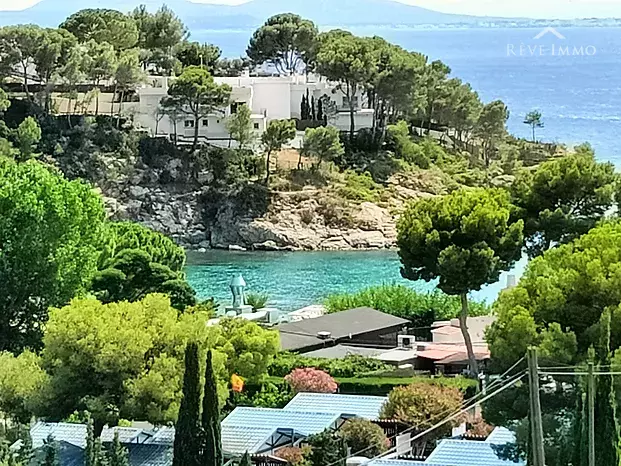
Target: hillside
(252, 14)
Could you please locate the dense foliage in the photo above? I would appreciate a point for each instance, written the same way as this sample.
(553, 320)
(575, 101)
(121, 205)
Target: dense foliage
(350, 366)
(364, 438)
(50, 230)
(422, 309)
(311, 380)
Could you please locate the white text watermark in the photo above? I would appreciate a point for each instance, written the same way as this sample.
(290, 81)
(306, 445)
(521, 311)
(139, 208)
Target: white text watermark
(561, 49)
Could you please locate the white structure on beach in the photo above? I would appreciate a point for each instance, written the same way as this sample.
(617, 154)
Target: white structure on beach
(269, 98)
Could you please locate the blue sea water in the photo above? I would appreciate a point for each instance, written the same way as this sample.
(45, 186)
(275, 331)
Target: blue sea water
(578, 93)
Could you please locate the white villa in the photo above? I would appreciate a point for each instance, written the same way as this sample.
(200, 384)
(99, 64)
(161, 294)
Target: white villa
(269, 98)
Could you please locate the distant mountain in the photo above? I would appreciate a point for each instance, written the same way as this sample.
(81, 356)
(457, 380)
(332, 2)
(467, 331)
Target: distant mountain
(344, 13)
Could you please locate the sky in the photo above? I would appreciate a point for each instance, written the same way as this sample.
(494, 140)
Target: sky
(521, 8)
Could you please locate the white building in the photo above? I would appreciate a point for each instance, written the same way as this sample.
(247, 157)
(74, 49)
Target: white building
(270, 98)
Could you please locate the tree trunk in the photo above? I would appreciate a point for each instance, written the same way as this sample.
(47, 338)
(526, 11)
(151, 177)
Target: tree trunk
(118, 117)
(26, 88)
(267, 167)
(195, 144)
(300, 160)
(534, 139)
(352, 119)
(113, 97)
(463, 324)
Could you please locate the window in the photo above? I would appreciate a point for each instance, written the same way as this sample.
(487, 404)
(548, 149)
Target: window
(235, 107)
(189, 123)
(205, 122)
(256, 126)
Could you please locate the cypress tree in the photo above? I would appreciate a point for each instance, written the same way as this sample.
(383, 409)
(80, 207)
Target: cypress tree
(117, 456)
(90, 453)
(212, 446)
(186, 449)
(320, 115)
(52, 453)
(313, 113)
(606, 431)
(303, 108)
(245, 460)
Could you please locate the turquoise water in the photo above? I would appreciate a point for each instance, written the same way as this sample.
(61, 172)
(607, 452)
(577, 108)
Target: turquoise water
(297, 279)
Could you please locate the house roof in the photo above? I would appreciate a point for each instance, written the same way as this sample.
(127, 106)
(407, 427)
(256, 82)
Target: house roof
(467, 453)
(162, 436)
(73, 434)
(342, 351)
(304, 422)
(462, 358)
(435, 355)
(149, 455)
(342, 325)
(501, 436)
(126, 434)
(395, 462)
(368, 407)
(241, 439)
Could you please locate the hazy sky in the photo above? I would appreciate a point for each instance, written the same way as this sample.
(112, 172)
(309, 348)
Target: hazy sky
(528, 8)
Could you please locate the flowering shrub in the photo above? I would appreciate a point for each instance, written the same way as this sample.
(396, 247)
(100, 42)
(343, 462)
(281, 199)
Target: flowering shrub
(311, 380)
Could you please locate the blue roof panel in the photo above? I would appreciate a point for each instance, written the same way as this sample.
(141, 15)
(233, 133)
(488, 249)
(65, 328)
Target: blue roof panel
(304, 422)
(501, 436)
(241, 439)
(368, 407)
(74, 434)
(467, 453)
(391, 462)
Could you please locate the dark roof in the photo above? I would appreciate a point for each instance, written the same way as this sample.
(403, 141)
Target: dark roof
(303, 335)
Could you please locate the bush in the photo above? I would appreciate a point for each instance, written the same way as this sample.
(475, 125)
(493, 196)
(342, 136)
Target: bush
(335, 212)
(405, 148)
(350, 366)
(295, 456)
(382, 385)
(360, 188)
(422, 309)
(257, 300)
(364, 438)
(157, 152)
(422, 405)
(269, 396)
(311, 380)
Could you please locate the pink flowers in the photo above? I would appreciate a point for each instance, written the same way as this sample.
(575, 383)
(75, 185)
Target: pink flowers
(311, 380)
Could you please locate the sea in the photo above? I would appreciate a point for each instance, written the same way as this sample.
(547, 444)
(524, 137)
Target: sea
(571, 75)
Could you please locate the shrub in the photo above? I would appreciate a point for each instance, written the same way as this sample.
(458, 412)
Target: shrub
(335, 212)
(269, 396)
(422, 309)
(360, 188)
(295, 456)
(257, 300)
(311, 380)
(364, 438)
(350, 366)
(422, 405)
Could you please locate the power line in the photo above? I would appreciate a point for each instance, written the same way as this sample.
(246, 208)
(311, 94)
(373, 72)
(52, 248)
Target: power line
(466, 406)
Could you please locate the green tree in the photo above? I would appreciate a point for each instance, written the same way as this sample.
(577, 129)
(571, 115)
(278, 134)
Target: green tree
(159, 35)
(349, 61)
(569, 288)
(197, 54)
(187, 445)
(51, 452)
(434, 91)
(27, 137)
(5, 103)
(364, 438)
(127, 75)
(18, 47)
(53, 227)
(563, 199)
(462, 109)
(491, 128)
(249, 349)
(196, 93)
(21, 379)
(103, 25)
(72, 73)
(93, 455)
(464, 239)
(245, 460)
(286, 41)
(210, 421)
(100, 65)
(117, 455)
(534, 120)
(322, 144)
(277, 134)
(239, 126)
(606, 429)
(120, 360)
(327, 448)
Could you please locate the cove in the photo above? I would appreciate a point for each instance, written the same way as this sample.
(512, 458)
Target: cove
(297, 279)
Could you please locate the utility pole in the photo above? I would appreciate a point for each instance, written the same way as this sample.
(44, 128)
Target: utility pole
(591, 412)
(535, 409)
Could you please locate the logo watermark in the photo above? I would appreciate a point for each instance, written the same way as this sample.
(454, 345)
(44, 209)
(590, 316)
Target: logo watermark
(558, 48)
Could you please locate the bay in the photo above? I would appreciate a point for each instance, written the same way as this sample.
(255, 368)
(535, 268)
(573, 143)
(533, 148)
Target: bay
(297, 279)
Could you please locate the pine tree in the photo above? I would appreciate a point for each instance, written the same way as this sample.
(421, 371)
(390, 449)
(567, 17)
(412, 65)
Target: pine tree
(117, 456)
(212, 447)
(52, 454)
(187, 445)
(245, 460)
(606, 430)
